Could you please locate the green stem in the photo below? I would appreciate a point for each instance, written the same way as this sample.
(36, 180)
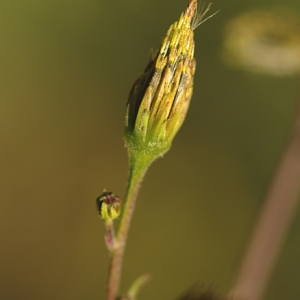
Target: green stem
(109, 236)
(138, 167)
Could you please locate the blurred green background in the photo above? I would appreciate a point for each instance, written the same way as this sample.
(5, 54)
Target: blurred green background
(66, 68)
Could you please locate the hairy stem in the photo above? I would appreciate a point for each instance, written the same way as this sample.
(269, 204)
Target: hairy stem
(272, 224)
(109, 236)
(138, 168)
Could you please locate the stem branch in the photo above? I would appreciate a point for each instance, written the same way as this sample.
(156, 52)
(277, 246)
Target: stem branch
(138, 168)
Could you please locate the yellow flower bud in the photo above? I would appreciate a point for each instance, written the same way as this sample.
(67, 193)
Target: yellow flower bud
(160, 97)
(108, 205)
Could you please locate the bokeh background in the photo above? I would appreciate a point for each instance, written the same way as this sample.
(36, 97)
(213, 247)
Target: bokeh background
(66, 68)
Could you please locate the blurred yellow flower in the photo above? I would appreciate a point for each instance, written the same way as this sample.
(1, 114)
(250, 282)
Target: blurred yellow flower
(264, 42)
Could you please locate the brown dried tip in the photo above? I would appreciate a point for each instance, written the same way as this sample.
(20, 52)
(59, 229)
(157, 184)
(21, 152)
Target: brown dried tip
(191, 9)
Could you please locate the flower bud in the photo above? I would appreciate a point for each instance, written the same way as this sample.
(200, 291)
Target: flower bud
(108, 206)
(160, 97)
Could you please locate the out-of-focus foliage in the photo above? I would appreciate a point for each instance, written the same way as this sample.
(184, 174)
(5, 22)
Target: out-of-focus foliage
(66, 68)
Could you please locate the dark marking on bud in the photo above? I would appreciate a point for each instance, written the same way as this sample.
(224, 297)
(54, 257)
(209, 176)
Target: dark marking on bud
(108, 205)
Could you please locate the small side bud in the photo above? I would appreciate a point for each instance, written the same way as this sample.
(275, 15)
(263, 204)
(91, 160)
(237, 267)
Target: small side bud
(108, 206)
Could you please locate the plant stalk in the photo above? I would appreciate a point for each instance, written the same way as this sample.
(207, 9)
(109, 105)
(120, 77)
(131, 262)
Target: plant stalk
(138, 168)
(272, 224)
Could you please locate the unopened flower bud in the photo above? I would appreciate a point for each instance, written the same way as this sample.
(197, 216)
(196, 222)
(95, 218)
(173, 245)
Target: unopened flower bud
(108, 205)
(159, 99)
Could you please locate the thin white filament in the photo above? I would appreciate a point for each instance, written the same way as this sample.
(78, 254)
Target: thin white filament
(199, 14)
